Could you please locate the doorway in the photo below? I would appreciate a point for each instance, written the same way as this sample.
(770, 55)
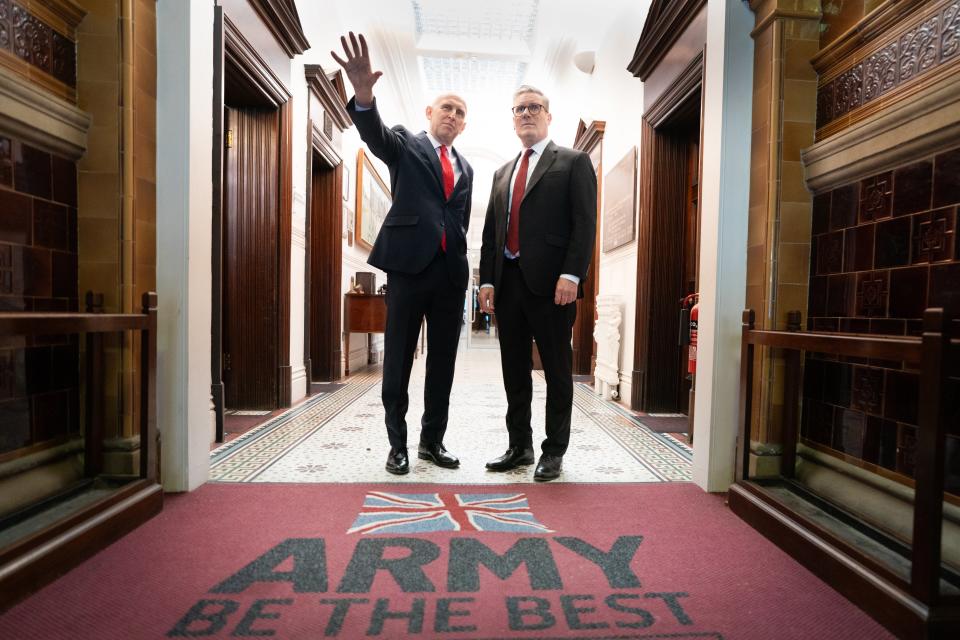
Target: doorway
(684, 129)
(252, 202)
(668, 251)
(324, 265)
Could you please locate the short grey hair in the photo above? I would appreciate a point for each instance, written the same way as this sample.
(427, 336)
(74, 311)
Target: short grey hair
(526, 88)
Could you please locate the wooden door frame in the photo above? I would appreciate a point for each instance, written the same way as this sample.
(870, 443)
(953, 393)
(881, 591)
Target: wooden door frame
(655, 324)
(328, 91)
(216, 254)
(230, 46)
(588, 140)
(332, 246)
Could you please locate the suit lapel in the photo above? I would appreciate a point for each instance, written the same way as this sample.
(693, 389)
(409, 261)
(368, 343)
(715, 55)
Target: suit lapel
(503, 190)
(464, 180)
(549, 155)
(429, 155)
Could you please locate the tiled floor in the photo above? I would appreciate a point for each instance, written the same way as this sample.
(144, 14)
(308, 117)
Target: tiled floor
(340, 437)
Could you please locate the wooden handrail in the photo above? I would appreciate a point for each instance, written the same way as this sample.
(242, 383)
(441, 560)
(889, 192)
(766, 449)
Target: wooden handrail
(94, 324)
(935, 353)
(907, 348)
(34, 324)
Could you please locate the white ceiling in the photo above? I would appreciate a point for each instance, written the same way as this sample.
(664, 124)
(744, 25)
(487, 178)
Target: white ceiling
(481, 49)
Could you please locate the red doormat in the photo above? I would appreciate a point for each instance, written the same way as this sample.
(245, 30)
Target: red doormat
(428, 561)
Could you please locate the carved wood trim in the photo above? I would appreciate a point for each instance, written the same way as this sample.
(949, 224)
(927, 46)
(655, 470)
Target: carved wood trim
(910, 130)
(282, 19)
(330, 92)
(872, 27)
(880, 62)
(588, 137)
(38, 42)
(240, 53)
(665, 23)
(686, 84)
(63, 15)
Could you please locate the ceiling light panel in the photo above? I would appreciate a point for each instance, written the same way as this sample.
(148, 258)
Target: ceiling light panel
(486, 20)
(470, 75)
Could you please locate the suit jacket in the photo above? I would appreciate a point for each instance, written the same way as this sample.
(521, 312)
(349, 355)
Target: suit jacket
(558, 219)
(411, 232)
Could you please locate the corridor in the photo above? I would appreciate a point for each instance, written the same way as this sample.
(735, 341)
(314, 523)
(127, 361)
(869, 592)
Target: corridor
(338, 437)
(723, 234)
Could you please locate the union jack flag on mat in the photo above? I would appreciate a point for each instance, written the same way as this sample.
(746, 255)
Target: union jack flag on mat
(429, 512)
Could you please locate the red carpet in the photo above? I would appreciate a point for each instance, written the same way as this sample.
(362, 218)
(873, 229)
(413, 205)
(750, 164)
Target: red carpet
(594, 561)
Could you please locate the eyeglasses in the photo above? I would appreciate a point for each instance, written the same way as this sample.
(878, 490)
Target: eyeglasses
(533, 109)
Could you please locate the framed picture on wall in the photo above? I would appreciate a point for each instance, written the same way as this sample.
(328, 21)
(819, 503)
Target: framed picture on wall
(346, 183)
(373, 202)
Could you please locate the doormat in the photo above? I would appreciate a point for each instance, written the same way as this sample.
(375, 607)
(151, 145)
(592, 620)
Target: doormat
(350, 561)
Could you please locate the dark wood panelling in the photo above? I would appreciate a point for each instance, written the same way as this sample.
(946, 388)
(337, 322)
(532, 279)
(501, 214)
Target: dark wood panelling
(589, 140)
(216, 215)
(285, 224)
(660, 266)
(665, 23)
(251, 234)
(667, 133)
(326, 253)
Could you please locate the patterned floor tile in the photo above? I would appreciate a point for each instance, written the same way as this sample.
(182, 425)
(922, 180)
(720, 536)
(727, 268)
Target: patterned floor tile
(340, 437)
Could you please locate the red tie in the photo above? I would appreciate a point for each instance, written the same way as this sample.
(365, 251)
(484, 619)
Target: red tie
(447, 186)
(519, 187)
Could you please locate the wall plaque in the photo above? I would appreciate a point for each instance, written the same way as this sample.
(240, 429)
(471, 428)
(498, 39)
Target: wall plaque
(620, 203)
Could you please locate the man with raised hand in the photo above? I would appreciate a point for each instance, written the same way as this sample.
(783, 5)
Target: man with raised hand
(422, 247)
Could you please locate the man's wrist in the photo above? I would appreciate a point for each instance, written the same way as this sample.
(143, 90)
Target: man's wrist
(571, 278)
(363, 102)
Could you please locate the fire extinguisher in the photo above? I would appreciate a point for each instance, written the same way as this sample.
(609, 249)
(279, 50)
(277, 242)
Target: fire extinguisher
(689, 315)
(694, 320)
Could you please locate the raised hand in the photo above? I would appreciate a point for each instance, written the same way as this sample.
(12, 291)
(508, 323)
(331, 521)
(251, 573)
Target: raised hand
(357, 66)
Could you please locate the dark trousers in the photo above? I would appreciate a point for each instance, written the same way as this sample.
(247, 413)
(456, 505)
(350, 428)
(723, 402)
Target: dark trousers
(410, 298)
(521, 315)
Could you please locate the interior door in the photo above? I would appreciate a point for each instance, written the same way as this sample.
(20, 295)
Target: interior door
(250, 258)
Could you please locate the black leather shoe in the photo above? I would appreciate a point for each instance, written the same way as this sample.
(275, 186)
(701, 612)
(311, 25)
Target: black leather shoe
(397, 462)
(514, 457)
(548, 468)
(436, 453)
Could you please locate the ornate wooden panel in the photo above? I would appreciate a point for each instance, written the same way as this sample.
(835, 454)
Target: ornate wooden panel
(887, 57)
(41, 37)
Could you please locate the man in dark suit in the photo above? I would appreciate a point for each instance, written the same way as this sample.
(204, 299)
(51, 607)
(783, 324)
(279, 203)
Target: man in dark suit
(423, 249)
(537, 244)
